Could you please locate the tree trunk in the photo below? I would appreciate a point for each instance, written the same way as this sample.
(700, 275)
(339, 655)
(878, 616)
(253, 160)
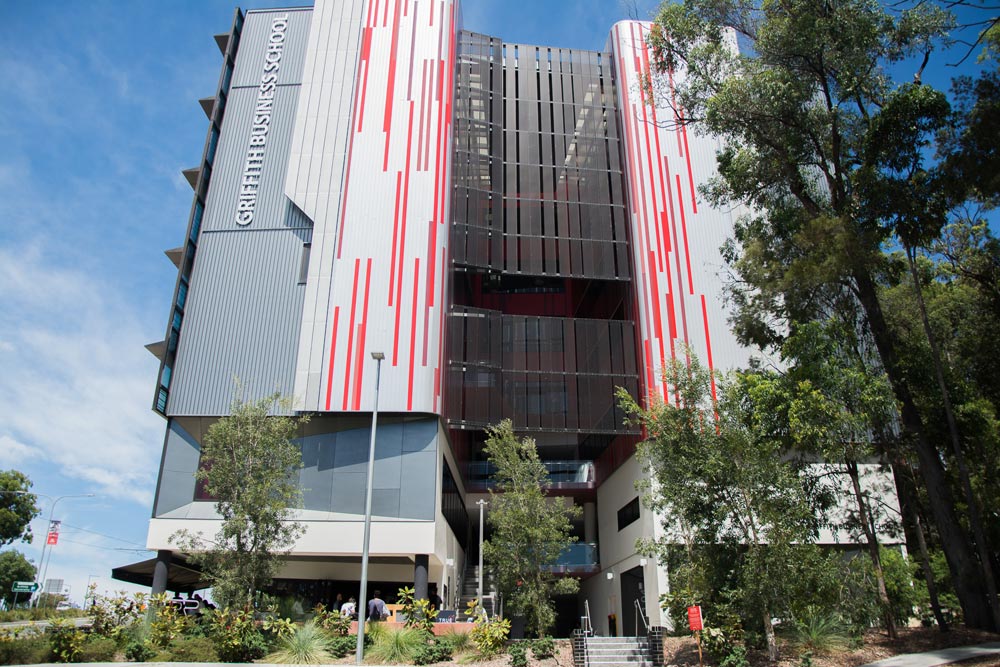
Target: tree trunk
(873, 549)
(910, 505)
(772, 644)
(964, 567)
(989, 582)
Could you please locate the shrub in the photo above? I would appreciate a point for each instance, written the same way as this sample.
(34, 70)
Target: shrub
(167, 622)
(24, 651)
(821, 633)
(236, 636)
(419, 613)
(137, 650)
(395, 645)
(112, 616)
(307, 645)
(490, 636)
(457, 640)
(341, 647)
(435, 651)
(332, 621)
(98, 649)
(67, 640)
(518, 654)
(543, 648)
(726, 652)
(189, 649)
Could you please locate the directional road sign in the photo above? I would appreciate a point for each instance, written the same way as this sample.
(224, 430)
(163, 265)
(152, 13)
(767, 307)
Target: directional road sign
(24, 587)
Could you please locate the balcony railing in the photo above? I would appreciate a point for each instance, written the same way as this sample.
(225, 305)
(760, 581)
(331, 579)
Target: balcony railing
(578, 558)
(563, 474)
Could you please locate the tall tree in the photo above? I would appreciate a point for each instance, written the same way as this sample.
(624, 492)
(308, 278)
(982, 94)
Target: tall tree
(721, 471)
(805, 148)
(530, 530)
(249, 464)
(14, 567)
(17, 507)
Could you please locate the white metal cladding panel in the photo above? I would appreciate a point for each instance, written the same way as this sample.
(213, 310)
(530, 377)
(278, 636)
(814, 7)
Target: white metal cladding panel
(255, 42)
(381, 268)
(241, 320)
(676, 236)
(270, 210)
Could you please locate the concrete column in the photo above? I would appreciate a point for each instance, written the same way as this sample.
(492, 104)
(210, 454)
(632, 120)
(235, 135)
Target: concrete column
(161, 571)
(590, 522)
(420, 563)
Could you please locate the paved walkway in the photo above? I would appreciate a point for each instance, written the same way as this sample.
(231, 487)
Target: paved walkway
(940, 657)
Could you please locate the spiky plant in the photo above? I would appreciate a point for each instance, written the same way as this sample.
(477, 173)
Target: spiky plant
(307, 645)
(395, 645)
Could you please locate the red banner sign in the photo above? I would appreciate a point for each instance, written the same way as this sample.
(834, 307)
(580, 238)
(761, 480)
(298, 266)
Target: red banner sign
(53, 538)
(694, 618)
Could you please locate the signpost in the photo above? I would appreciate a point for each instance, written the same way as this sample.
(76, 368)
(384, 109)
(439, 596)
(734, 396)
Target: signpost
(24, 587)
(695, 623)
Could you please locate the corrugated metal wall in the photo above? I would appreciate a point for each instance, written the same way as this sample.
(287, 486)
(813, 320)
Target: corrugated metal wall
(676, 236)
(245, 301)
(380, 242)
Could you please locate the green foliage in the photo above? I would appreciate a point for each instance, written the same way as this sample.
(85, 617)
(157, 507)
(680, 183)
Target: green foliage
(395, 645)
(518, 652)
(278, 627)
(13, 567)
(236, 636)
(17, 508)
(530, 531)
(419, 613)
(248, 464)
(331, 621)
(98, 649)
(543, 648)
(820, 633)
(489, 635)
(722, 647)
(343, 645)
(167, 621)
(112, 617)
(308, 644)
(67, 640)
(24, 650)
(457, 640)
(188, 649)
(433, 651)
(137, 650)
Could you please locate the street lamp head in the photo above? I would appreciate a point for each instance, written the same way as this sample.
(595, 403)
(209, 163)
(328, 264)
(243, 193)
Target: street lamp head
(378, 356)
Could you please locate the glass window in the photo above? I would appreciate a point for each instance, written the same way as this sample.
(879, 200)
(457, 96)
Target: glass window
(199, 211)
(304, 263)
(161, 401)
(628, 514)
(213, 142)
(182, 291)
(165, 377)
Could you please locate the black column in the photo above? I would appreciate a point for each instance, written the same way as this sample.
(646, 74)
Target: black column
(420, 562)
(160, 571)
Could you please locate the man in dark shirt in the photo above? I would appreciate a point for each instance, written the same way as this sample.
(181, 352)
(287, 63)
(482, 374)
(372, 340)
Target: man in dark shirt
(377, 610)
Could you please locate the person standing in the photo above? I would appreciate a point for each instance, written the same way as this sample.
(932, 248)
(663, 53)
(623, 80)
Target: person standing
(377, 611)
(350, 609)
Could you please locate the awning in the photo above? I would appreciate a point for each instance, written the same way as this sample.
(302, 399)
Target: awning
(182, 576)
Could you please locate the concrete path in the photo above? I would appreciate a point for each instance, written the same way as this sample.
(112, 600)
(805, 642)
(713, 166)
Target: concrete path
(940, 657)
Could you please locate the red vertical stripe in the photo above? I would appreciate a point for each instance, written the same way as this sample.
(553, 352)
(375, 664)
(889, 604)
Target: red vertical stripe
(413, 334)
(350, 334)
(395, 235)
(366, 47)
(687, 156)
(333, 352)
(390, 88)
(402, 237)
(362, 336)
(708, 346)
(684, 229)
(423, 102)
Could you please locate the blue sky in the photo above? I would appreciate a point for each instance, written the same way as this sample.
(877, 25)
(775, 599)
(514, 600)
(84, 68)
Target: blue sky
(99, 117)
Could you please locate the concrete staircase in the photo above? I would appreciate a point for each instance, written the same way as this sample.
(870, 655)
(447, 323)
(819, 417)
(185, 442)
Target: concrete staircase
(618, 652)
(470, 585)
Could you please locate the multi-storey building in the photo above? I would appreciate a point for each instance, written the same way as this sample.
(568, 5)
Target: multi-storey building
(515, 227)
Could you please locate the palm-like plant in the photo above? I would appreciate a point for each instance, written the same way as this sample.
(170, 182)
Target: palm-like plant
(307, 645)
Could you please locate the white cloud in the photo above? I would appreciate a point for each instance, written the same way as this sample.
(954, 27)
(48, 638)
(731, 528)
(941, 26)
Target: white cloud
(77, 393)
(13, 453)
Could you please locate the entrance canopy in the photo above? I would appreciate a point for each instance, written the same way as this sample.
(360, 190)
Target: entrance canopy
(182, 576)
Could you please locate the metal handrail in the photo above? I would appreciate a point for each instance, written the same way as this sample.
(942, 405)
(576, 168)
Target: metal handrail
(642, 615)
(588, 629)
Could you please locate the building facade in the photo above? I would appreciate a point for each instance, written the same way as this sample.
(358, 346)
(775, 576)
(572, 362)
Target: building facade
(515, 227)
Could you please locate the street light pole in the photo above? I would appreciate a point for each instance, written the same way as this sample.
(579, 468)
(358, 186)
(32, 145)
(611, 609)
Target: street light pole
(48, 527)
(482, 504)
(363, 599)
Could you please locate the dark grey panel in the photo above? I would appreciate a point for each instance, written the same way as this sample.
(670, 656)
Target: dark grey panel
(180, 461)
(254, 43)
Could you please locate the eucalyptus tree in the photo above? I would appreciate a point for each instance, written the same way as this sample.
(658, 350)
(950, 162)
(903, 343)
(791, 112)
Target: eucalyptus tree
(822, 145)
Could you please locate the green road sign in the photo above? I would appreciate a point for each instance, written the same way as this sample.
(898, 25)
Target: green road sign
(24, 587)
